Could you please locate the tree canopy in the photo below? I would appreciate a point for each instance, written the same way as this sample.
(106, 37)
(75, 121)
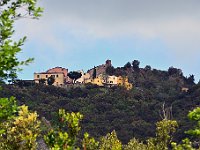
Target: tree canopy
(136, 64)
(74, 75)
(50, 80)
(94, 75)
(127, 65)
(9, 13)
(18, 127)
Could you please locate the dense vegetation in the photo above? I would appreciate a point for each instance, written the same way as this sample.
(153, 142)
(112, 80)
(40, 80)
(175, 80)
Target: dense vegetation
(130, 113)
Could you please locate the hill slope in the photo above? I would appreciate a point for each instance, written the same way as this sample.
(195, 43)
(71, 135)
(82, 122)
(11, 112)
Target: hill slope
(131, 113)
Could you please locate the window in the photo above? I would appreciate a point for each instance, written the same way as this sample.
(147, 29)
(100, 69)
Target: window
(111, 81)
(46, 76)
(38, 76)
(57, 75)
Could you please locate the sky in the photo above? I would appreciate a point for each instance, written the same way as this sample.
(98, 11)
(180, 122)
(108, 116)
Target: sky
(81, 34)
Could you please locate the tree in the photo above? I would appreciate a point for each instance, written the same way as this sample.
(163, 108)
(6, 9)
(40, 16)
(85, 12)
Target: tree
(110, 70)
(190, 79)
(18, 127)
(194, 115)
(61, 139)
(127, 65)
(147, 67)
(16, 131)
(50, 80)
(8, 108)
(164, 131)
(18, 82)
(94, 75)
(186, 144)
(9, 12)
(134, 144)
(74, 75)
(67, 139)
(175, 71)
(42, 81)
(89, 143)
(110, 142)
(135, 64)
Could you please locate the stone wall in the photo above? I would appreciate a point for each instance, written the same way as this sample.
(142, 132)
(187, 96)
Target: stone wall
(101, 69)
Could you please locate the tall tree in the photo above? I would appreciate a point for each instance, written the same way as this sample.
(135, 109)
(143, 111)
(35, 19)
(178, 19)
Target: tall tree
(110, 70)
(127, 65)
(190, 79)
(16, 132)
(9, 12)
(94, 75)
(175, 71)
(110, 142)
(135, 64)
(74, 75)
(50, 80)
(147, 67)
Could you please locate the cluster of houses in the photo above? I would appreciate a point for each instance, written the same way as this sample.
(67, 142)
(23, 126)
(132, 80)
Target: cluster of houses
(101, 78)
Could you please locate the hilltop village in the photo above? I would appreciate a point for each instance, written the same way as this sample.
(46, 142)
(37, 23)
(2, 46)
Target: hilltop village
(96, 75)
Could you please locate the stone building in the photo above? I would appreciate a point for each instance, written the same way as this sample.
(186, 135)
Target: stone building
(83, 78)
(101, 69)
(61, 70)
(59, 74)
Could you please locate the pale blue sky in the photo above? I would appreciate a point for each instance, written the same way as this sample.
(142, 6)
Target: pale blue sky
(78, 34)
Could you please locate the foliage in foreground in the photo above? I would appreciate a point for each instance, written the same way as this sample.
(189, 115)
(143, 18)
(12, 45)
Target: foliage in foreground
(19, 127)
(187, 144)
(10, 10)
(162, 141)
(68, 140)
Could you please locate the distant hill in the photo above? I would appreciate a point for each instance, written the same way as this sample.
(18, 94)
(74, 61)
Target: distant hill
(131, 113)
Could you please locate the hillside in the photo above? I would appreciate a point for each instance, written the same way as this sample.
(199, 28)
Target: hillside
(131, 113)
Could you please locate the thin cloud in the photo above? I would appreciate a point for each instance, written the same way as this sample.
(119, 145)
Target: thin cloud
(174, 22)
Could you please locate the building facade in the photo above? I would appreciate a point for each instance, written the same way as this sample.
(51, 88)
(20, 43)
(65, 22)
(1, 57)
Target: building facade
(43, 77)
(98, 81)
(101, 78)
(83, 78)
(110, 81)
(123, 81)
(58, 73)
(61, 70)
